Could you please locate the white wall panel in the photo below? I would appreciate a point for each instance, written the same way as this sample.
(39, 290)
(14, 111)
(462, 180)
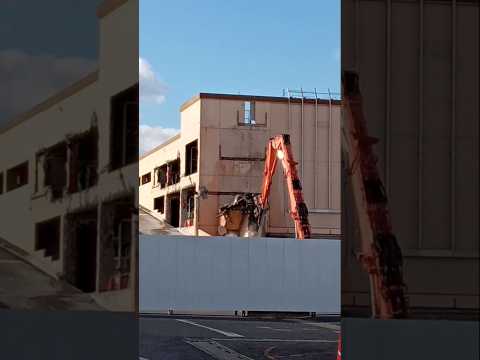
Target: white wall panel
(228, 273)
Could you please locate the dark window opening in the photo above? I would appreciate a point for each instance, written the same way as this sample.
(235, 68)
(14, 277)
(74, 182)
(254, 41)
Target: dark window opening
(48, 238)
(146, 178)
(1, 183)
(188, 206)
(55, 169)
(83, 161)
(174, 210)
(161, 176)
(159, 204)
(17, 176)
(191, 154)
(81, 250)
(124, 128)
(173, 172)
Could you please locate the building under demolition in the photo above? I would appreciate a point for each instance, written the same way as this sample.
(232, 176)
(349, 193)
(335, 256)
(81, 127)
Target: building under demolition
(220, 152)
(68, 193)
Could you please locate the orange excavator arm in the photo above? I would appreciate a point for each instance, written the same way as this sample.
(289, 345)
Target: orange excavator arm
(381, 255)
(279, 149)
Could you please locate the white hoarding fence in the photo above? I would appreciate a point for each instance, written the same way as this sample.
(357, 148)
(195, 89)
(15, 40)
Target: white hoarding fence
(231, 273)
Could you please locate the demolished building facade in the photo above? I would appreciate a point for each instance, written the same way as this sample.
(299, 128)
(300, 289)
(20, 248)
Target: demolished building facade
(220, 152)
(69, 192)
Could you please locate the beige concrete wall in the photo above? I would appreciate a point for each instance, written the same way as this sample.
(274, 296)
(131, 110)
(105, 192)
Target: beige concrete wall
(420, 89)
(214, 122)
(22, 203)
(315, 147)
(190, 130)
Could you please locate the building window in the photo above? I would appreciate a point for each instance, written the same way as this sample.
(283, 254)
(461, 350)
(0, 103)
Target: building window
(188, 206)
(248, 113)
(79, 252)
(173, 172)
(160, 176)
(83, 161)
(146, 178)
(17, 176)
(159, 204)
(55, 169)
(48, 238)
(122, 251)
(124, 128)
(1, 183)
(117, 238)
(173, 209)
(191, 155)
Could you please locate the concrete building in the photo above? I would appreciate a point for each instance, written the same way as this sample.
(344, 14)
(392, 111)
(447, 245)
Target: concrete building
(68, 172)
(418, 65)
(221, 149)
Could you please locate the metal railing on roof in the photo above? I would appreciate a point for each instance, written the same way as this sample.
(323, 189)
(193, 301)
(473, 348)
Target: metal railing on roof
(302, 94)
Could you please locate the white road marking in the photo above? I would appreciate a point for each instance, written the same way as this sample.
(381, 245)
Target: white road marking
(216, 350)
(226, 333)
(142, 358)
(322, 325)
(270, 328)
(277, 340)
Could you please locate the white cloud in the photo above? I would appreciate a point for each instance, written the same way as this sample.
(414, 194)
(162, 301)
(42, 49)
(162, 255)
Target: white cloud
(30, 79)
(151, 88)
(152, 136)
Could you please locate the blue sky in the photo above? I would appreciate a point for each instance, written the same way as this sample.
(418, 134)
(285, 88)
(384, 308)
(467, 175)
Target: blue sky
(36, 59)
(251, 47)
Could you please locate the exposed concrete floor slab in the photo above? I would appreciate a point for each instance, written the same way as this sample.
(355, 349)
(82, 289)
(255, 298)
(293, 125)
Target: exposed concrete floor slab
(150, 225)
(24, 287)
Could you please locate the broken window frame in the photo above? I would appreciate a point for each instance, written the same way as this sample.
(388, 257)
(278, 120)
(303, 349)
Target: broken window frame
(119, 108)
(123, 252)
(188, 206)
(248, 112)
(89, 170)
(157, 179)
(173, 177)
(119, 218)
(21, 179)
(51, 177)
(191, 158)
(249, 115)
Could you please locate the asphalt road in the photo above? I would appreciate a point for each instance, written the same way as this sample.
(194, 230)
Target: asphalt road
(173, 337)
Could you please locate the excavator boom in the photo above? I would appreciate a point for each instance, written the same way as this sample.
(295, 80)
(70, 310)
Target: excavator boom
(279, 149)
(251, 209)
(381, 255)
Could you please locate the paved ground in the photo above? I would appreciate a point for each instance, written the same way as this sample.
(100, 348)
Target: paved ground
(24, 287)
(173, 337)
